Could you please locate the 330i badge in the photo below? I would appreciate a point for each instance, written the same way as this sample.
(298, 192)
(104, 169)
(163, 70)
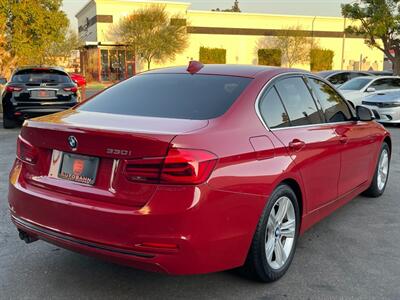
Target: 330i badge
(195, 170)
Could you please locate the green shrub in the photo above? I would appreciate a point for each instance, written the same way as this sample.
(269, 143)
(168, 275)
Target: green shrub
(270, 57)
(212, 55)
(321, 59)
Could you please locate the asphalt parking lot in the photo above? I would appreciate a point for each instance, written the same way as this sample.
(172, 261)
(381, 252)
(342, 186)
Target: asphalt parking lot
(355, 253)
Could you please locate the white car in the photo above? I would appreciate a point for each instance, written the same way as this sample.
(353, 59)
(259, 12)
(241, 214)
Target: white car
(386, 104)
(357, 89)
(337, 78)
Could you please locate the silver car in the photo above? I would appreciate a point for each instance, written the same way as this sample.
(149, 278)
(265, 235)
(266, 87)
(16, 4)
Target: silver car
(337, 78)
(387, 104)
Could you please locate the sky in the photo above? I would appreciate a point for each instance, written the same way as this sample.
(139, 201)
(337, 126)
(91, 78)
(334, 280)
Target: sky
(289, 7)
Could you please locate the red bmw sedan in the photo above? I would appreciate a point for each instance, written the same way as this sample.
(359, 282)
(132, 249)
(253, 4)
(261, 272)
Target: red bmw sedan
(196, 170)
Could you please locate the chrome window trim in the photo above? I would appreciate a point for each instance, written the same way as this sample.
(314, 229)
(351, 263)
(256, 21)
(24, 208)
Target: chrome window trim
(313, 125)
(305, 74)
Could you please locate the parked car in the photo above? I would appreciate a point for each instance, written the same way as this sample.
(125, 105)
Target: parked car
(381, 73)
(387, 104)
(337, 78)
(357, 89)
(36, 91)
(79, 79)
(196, 170)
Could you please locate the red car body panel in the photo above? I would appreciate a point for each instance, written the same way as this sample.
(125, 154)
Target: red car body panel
(199, 228)
(79, 79)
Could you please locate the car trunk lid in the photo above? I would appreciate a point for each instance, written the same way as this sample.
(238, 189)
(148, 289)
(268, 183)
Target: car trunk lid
(113, 139)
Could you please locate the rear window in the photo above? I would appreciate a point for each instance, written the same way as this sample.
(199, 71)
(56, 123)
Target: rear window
(38, 76)
(179, 96)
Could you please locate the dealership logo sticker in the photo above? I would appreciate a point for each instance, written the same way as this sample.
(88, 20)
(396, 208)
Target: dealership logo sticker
(73, 142)
(78, 167)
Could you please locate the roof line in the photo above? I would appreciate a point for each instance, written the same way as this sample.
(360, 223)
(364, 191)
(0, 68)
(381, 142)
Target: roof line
(262, 14)
(136, 1)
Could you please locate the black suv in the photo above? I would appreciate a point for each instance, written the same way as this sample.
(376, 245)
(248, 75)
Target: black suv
(37, 91)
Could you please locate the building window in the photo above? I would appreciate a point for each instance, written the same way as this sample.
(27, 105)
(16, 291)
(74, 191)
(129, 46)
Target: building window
(116, 64)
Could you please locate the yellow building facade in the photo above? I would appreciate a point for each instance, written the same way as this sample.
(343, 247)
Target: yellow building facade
(241, 34)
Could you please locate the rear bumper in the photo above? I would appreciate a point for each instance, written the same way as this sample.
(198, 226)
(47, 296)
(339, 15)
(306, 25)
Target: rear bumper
(212, 230)
(22, 111)
(117, 255)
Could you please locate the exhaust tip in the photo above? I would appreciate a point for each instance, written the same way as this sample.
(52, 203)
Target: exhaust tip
(26, 237)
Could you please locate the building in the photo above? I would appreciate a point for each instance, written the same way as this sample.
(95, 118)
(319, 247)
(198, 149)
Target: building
(241, 34)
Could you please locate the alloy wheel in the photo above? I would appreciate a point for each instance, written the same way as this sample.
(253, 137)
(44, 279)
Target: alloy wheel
(280, 233)
(383, 169)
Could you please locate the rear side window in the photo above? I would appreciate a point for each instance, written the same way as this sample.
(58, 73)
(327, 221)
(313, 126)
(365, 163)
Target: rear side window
(334, 107)
(38, 76)
(179, 96)
(339, 78)
(272, 110)
(298, 102)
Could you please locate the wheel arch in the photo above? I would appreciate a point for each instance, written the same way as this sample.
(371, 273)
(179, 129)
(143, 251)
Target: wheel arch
(388, 141)
(295, 186)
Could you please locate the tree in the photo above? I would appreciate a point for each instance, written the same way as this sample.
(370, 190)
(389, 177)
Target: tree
(61, 51)
(235, 8)
(5, 55)
(152, 34)
(294, 44)
(378, 21)
(29, 27)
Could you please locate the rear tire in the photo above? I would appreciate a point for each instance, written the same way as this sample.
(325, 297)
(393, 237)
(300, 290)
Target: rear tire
(8, 123)
(381, 176)
(275, 239)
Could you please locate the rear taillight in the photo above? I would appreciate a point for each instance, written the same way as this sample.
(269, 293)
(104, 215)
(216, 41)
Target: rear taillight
(73, 89)
(180, 166)
(10, 88)
(26, 152)
(187, 166)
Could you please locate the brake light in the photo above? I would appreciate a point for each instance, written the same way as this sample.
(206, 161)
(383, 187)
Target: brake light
(26, 152)
(71, 89)
(180, 166)
(10, 88)
(187, 166)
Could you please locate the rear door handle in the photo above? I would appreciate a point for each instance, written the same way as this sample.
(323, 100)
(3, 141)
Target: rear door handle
(296, 145)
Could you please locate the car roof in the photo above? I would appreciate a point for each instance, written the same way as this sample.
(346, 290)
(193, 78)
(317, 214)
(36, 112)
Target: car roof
(341, 71)
(375, 77)
(56, 68)
(389, 73)
(250, 71)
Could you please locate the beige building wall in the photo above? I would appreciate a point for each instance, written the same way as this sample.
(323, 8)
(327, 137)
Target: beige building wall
(120, 9)
(90, 32)
(350, 53)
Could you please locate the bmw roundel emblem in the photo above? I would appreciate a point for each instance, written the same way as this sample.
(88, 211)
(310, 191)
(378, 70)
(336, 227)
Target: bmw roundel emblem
(73, 142)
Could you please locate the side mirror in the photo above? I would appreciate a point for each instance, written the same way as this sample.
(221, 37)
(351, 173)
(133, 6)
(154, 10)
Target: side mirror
(351, 104)
(371, 90)
(364, 114)
(3, 80)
